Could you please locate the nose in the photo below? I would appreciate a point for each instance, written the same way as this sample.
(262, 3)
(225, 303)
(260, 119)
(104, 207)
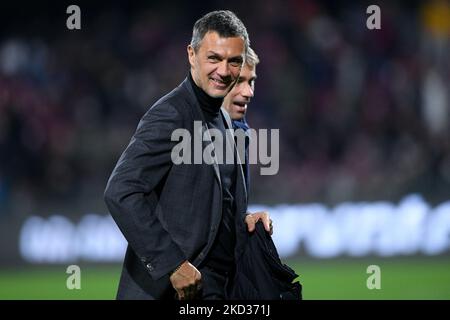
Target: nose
(223, 69)
(248, 91)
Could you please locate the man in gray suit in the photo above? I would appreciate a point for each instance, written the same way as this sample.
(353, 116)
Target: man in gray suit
(183, 221)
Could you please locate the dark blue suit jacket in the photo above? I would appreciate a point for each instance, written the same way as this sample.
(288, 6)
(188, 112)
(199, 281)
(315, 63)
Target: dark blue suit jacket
(168, 213)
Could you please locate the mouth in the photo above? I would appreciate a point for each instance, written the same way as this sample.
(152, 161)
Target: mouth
(219, 84)
(240, 106)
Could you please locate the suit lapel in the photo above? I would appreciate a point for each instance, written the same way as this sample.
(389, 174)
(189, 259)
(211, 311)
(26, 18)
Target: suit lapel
(198, 115)
(208, 141)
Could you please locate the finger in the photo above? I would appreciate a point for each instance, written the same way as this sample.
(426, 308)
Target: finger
(251, 225)
(198, 277)
(266, 221)
(250, 221)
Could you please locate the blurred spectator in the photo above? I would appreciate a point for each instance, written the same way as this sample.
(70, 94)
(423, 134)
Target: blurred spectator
(363, 114)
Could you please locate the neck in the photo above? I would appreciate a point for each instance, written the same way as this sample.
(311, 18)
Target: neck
(207, 103)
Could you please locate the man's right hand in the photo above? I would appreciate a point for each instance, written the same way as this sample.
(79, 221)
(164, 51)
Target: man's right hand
(186, 281)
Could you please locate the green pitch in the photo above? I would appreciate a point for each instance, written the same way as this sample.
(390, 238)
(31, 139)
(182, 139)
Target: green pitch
(401, 278)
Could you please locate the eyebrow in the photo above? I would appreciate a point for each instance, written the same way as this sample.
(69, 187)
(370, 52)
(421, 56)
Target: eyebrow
(236, 58)
(214, 53)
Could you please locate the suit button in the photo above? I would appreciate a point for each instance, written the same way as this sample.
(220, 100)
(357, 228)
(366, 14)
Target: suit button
(201, 255)
(213, 229)
(149, 267)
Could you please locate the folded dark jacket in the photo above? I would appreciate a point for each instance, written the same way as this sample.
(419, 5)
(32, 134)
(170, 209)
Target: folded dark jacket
(260, 274)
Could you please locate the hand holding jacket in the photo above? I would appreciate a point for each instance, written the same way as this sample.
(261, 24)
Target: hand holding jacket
(252, 218)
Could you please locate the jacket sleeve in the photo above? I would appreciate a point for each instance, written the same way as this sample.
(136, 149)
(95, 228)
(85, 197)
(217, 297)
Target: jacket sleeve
(140, 168)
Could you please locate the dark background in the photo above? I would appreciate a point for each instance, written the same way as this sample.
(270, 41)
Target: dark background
(349, 102)
(363, 114)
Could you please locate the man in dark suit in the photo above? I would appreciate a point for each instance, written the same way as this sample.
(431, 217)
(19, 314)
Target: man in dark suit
(183, 221)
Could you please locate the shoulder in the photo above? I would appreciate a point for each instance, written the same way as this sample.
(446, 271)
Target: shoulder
(173, 110)
(176, 102)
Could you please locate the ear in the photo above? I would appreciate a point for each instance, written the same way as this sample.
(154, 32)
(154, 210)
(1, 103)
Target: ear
(191, 55)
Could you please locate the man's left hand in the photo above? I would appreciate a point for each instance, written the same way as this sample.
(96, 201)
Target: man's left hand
(252, 218)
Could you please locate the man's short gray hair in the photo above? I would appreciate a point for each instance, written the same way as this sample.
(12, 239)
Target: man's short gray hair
(251, 58)
(224, 22)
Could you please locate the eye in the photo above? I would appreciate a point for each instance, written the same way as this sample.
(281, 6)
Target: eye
(235, 64)
(213, 58)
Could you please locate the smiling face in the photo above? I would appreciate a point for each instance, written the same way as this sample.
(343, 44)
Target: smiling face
(239, 97)
(216, 65)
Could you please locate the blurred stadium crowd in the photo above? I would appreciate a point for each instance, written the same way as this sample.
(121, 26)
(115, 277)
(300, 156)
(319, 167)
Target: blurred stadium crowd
(363, 114)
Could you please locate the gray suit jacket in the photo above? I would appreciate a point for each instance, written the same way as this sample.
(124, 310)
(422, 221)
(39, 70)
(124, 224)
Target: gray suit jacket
(168, 213)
